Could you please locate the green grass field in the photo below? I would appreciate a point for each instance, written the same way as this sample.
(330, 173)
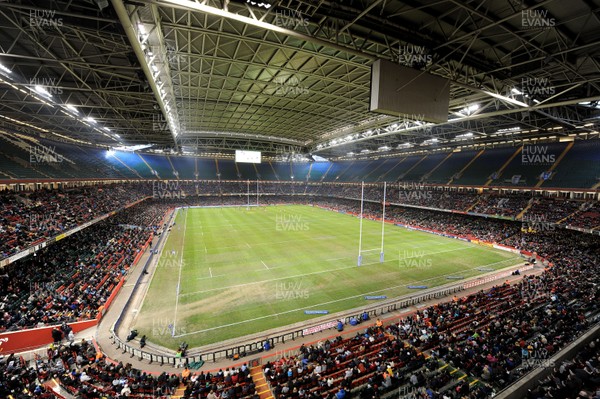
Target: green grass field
(242, 271)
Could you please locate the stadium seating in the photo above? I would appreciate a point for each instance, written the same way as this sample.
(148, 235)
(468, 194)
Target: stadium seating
(27, 218)
(282, 170)
(207, 169)
(299, 171)
(133, 162)
(451, 167)
(420, 172)
(320, 371)
(417, 354)
(375, 170)
(426, 352)
(265, 171)
(318, 170)
(552, 210)
(337, 168)
(228, 170)
(122, 168)
(184, 166)
(72, 279)
(578, 169)
(161, 164)
(379, 174)
(17, 231)
(401, 168)
(355, 171)
(529, 167)
(17, 380)
(482, 168)
(587, 217)
(247, 171)
(579, 376)
(501, 205)
(14, 159)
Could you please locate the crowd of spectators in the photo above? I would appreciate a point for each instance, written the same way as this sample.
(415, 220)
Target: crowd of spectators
(331, 369)
(500, 205)
(579, 376)
(27, 218)
(551, 210)
(508, 205)
(71, 279)
(498, 335)
(492, 336)
(18, 380)
(586, 218)
(86, 373)
(488, 229)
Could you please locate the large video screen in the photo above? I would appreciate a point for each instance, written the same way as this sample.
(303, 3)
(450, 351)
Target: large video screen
(247, 156)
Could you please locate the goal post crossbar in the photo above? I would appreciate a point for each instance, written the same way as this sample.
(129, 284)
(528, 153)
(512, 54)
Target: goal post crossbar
(369, 250)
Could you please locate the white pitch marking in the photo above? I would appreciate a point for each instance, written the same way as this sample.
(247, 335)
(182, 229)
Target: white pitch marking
(265, 265)
(270, 242)
(319, 304)
(179, 278)
(301, 275)
(210, 271)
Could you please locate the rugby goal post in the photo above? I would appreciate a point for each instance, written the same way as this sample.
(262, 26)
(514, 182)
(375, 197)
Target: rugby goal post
(360, 234)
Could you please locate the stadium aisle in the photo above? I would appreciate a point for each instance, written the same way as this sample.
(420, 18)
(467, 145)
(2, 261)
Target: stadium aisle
(262, 387)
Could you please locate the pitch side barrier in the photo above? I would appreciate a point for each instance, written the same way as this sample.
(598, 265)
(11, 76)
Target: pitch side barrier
(115, 326)
(254, 344)
(254, 347)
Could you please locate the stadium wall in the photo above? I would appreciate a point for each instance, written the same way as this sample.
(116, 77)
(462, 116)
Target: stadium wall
(18, 341)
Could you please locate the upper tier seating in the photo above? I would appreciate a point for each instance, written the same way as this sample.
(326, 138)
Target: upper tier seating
(579, 168)
(23, 157)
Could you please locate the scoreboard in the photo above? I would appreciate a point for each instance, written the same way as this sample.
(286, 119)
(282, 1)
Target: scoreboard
(247, 156)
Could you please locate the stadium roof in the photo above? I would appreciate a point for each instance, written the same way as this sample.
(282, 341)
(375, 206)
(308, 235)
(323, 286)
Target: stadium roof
(294, 75)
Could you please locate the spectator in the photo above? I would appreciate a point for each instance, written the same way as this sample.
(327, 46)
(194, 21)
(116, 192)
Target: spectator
(56, 335)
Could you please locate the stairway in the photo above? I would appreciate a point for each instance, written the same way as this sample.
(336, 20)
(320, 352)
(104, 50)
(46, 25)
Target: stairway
(560, 157)
(460, 173)
(520, 215)
(474, 205)
(508, 161)
(57, 389)
(262, 387)
(179, 392)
